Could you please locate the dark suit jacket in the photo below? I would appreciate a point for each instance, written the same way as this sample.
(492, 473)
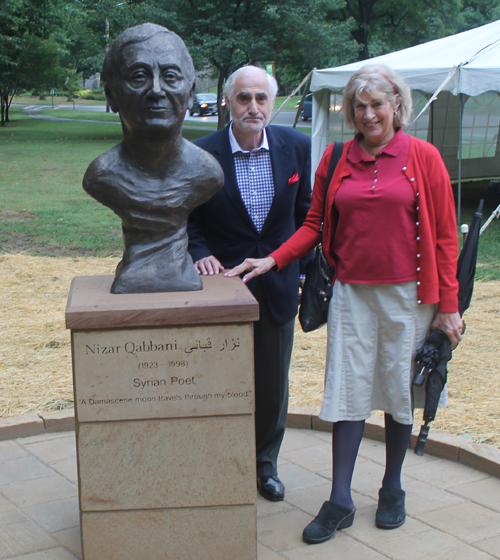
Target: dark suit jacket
(222, 227)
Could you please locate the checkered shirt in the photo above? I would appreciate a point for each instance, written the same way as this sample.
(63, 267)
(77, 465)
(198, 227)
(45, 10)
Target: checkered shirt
(254, 176)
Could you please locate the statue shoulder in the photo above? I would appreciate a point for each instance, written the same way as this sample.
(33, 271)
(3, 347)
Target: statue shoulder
(102, 169)
(204, 162)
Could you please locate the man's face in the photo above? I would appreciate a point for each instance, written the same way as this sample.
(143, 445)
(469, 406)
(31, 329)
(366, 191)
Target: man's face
(251, 104)
(154, 90)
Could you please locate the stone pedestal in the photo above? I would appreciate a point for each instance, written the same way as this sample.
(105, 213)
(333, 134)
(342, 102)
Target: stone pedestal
(164, 403)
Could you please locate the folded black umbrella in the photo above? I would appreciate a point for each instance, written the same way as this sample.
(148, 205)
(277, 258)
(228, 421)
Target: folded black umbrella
(466, 267)
(436, 351)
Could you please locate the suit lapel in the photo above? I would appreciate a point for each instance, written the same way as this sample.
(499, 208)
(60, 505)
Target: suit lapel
(222, 151)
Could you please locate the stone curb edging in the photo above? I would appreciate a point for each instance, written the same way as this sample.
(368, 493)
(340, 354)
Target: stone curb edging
(37, 424)
(479, 456)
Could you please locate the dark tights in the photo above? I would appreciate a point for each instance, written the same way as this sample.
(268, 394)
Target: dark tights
(397, 439)
(345, 445)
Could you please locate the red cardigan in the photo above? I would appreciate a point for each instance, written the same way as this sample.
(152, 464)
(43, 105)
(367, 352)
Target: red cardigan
(437, 241)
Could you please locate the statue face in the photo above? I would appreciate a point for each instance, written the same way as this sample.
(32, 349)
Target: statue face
(154, 90)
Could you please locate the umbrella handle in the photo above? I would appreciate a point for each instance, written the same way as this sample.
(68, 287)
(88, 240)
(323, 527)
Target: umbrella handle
(421, 440)
(419, 378)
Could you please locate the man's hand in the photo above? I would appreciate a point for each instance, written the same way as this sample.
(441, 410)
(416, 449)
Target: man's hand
(256, 267)
(452, 325)
(208, 266)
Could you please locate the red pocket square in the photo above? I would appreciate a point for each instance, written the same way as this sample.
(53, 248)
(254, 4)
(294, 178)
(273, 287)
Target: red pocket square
(293, 179)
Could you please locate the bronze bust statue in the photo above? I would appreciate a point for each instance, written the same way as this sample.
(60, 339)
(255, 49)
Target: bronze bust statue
(154, 178)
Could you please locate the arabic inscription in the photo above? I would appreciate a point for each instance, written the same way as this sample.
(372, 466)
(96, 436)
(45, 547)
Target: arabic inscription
(164, 372)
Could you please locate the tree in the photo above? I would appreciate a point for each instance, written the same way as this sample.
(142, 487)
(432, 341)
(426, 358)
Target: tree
(227, 34)
(386, 25)
(478, 12)
(29, 53)
(90, 25)
(34, 65)
(310, 41)
(83, 39)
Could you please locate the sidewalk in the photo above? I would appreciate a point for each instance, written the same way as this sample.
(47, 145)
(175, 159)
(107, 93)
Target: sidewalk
(453, 510)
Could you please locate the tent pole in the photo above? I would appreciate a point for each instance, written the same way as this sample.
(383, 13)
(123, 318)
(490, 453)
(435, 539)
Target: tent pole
(459, 202)
(431, 117)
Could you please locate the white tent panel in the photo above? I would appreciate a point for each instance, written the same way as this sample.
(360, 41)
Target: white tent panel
(426, 66)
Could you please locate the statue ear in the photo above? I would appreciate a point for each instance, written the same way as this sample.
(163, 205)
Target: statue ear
(111, 101)
(191, 96)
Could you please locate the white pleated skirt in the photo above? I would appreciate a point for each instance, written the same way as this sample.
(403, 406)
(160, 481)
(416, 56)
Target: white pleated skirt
(374, 332)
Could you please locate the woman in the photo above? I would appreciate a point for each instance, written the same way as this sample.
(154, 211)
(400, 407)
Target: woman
(390, 235)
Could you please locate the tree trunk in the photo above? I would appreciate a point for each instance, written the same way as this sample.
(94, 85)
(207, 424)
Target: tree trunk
(222, 111)
(7, 106)
(2, 110)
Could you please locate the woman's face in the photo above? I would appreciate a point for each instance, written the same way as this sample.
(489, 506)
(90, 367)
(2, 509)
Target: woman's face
(374, 117)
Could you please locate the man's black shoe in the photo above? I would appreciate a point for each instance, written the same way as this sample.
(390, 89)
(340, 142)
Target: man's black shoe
(271, 488)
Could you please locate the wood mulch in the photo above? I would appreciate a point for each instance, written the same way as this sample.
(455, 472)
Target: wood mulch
(35, 351)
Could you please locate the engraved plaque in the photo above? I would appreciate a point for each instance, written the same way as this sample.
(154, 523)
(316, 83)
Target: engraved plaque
(169, 372)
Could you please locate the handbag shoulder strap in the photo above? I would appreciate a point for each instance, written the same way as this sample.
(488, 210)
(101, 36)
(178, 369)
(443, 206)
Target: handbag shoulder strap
(334, 159)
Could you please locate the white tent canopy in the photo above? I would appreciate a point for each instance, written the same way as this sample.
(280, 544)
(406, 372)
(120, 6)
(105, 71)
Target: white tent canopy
(425, 67)
(470, 61)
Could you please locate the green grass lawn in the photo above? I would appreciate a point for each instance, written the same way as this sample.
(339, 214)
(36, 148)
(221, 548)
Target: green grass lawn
(290, 106)
(43, 207)
(44, 210)
(488, 267)
(105, 117)
(62, 101)
(81, 115)
(58, 101)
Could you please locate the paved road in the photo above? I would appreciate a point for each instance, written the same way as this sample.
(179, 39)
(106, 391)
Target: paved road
(285, 118)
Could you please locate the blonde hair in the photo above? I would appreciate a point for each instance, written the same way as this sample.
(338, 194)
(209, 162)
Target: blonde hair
(384, 79)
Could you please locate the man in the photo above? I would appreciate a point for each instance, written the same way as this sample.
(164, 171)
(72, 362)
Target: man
(154, 178)
(265, 198)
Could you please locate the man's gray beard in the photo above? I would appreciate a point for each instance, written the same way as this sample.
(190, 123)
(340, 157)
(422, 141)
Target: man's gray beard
(253, 127)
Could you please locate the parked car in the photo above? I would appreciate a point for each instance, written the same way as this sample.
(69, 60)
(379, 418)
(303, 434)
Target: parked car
(204, 104)
(307, 108)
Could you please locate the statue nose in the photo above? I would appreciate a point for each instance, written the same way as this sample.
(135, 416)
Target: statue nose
(156, 85)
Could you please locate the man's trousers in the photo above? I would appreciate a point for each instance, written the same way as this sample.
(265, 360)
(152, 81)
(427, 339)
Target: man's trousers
(273, 351)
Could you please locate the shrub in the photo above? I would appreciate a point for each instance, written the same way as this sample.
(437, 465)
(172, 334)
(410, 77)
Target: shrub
(93, 95)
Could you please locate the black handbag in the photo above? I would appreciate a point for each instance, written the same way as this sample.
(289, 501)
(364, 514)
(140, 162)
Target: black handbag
(317, 290)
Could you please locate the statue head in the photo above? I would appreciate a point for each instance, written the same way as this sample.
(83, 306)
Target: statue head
(155, 178)
(149, 78)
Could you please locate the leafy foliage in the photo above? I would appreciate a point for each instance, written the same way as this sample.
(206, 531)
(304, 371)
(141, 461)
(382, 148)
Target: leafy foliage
(226, 34)
(310, 39)
(385, 25)
(477, 12)
(39, 36)
(89, 28)
(30, 54)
